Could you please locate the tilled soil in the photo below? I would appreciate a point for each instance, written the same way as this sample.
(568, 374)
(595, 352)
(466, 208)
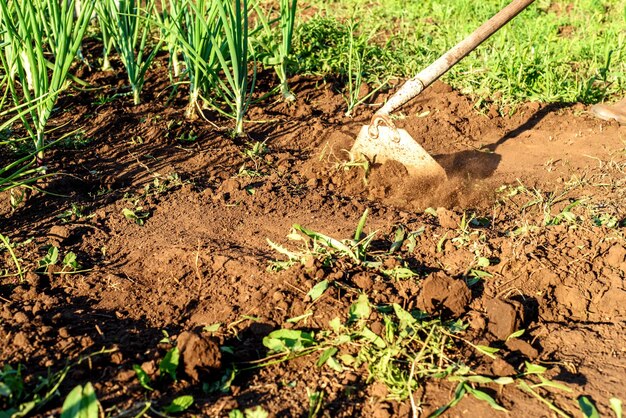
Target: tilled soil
(544, 190)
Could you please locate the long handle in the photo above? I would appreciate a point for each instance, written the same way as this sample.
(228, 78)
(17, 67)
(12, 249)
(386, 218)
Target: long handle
(415, 85)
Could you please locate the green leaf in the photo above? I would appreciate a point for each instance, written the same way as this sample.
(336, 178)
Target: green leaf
(473, 379)
(459, 392)
(80, 403)
(142, 376)
(361, 226)
(398, 240)
(336, 325)
(616, 406)
(212, 328)
(360, 309)
(347, 359)
(334, 364)
(299, 318)
(169, 364)
(555, 385)
(326, 354)
(504, 380)
(587, 407)
(431, 211)
(235, 413)
(486, 350)
(180, 404)
(483, 262)
(288, 340)
(406, 319)
(372, 337)
(534, 368)
(327, 241)
(5, 390)
(318, 290)
(483, 396)
(257, 412)
(52, 257)
(516, 334)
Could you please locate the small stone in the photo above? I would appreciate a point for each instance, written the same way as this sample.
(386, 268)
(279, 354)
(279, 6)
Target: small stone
(59, 233)
(523, 347)
(504, 317)
(63, 332)
(200, 355)
(20, 340)
(363, 280)
(378, 328)
(499, 367)
(33, 279)
(443, 294)
(20, 318)
(117, 358)
(616, 255)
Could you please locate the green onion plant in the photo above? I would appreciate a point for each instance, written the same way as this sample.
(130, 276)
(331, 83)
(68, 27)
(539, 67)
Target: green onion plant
(33, 33)
(168, 21)
(277, 54)
(129, 26)
(234, 59)
(200, 36)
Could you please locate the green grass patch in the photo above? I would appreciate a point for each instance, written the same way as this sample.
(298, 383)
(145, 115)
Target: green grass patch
(555, 51)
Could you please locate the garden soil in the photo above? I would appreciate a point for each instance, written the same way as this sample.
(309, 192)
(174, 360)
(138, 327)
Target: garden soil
(543, 186)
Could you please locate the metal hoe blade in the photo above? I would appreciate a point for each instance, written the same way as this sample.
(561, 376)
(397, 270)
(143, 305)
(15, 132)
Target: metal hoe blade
(382, 143)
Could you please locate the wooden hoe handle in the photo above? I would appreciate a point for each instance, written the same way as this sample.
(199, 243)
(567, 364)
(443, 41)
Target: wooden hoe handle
(415, 85)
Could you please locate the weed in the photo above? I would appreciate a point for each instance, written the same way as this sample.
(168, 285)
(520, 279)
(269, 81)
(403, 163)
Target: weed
(136, 215)
(6, 244)
(187, 137)
(316, 401)
(69, 264)
(326, 249)
(80, 402)
(18, 399)
(180, 404)
(74, 213)
(277, 47)
(257, 412)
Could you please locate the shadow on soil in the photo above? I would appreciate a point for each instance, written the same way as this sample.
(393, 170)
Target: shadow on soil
(480, 164)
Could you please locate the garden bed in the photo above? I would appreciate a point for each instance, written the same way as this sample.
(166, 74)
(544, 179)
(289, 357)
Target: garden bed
(170, 221)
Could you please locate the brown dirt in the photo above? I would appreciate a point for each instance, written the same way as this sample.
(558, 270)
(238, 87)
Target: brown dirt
(201, 256)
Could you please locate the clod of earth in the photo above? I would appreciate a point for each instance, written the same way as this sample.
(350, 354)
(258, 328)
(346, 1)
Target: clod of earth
(444, 295)
(201, 356)
(504, 317)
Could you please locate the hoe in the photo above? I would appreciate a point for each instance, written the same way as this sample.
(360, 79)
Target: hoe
(381, 140)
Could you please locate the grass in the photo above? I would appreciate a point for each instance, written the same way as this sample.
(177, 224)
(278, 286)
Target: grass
(552, 52)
